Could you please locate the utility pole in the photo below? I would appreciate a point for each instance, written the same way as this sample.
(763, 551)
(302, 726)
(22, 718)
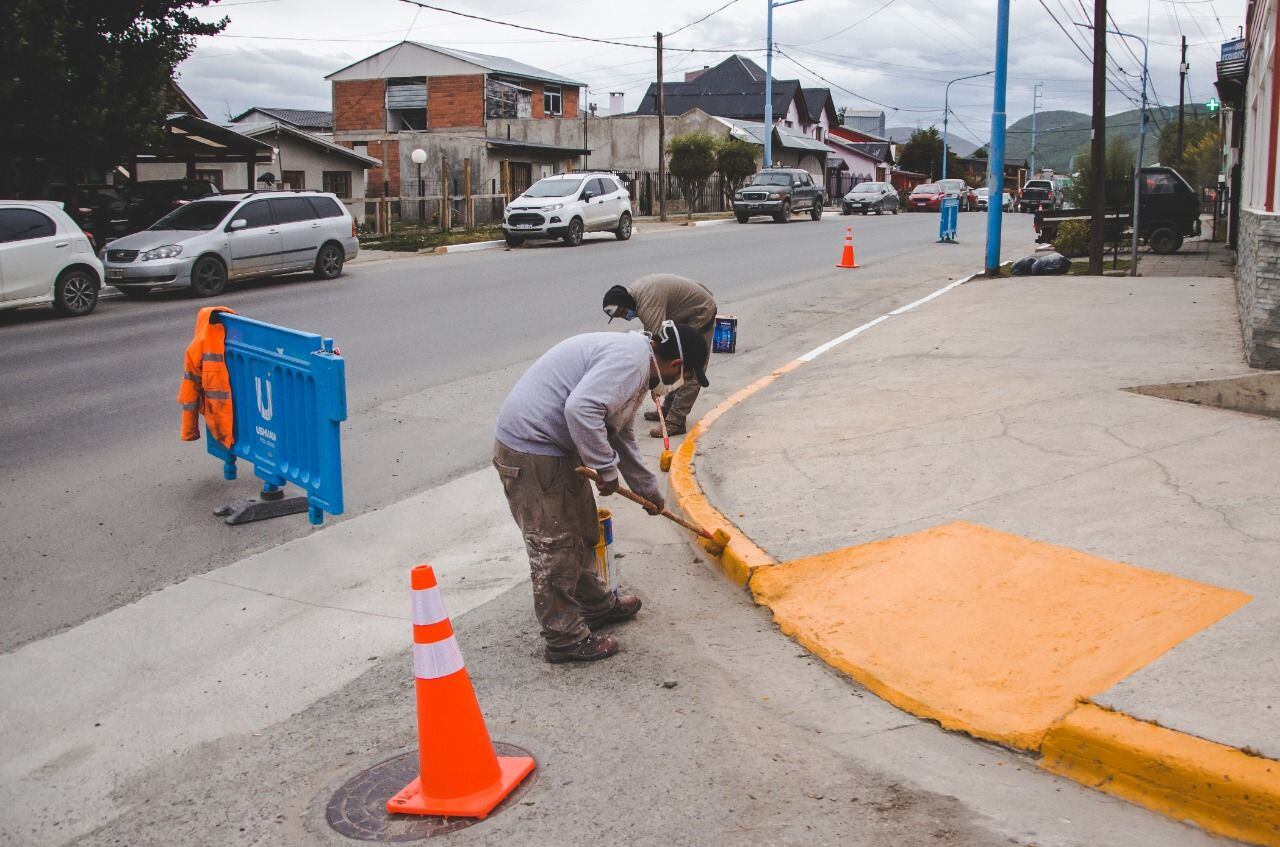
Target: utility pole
(1183, 67)
(995, 161)
(1035, 102)
(768, 78)
(1098, 187)
(662, 140)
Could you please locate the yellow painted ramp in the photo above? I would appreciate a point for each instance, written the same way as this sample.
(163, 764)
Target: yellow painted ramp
(986, 632)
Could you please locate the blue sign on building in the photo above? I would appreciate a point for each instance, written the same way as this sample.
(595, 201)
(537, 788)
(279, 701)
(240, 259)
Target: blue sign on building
(1233, 50)
(949, 220)
(289, 395)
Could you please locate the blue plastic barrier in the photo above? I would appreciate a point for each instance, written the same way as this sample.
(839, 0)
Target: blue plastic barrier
(950, 219)
(289, 393)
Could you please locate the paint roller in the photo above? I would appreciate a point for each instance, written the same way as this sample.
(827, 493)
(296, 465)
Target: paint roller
(718, 540)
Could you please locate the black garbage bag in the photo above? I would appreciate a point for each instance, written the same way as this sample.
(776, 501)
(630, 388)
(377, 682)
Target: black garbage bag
(1022, 267)
(1051, 264)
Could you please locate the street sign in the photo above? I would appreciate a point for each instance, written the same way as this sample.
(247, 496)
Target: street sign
(1233, 50)
(289, 395)
(949, 220)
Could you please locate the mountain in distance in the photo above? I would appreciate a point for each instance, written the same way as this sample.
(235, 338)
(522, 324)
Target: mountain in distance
(961, 146)
(1062, 134)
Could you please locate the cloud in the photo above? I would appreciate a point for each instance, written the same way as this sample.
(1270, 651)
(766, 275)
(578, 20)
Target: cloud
(224, 79)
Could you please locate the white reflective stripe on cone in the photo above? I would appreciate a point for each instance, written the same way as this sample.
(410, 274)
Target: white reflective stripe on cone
(432, 661)
(428, 607)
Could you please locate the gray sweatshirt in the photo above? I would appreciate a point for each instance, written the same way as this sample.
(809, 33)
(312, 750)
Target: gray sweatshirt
(580, 398)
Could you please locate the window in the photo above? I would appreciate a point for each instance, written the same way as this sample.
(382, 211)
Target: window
(24, 225)
(295, 179)
(214, 177)
(195, 217)
(552, 102)
(598, 188)
(406, 103)
(325, 207)
(1159, 183)
(337, 182)
(255, 214)
(289, 210)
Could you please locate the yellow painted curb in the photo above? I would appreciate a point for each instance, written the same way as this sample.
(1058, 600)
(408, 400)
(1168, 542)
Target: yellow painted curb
(1219, 788)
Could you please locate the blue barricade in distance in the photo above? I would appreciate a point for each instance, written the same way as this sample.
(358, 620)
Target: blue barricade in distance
(289, 395)
(949, 220)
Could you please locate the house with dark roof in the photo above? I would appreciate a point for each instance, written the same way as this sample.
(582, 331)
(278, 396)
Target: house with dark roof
(309, 120)
(423, 96)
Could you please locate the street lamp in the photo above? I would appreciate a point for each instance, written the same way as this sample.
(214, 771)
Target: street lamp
(1142, 139)
(1035, 103)
(946, 114)
(768, 80)
(419, 156)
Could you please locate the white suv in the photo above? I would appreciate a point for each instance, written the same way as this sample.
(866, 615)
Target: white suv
(567, 206)
(234, 236)
(46, 258)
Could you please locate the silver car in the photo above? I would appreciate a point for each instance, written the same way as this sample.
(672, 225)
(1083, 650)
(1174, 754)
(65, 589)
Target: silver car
(207, 242)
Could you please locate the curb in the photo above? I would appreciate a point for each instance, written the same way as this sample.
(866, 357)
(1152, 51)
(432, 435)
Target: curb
(1223, 790)
(470, 247)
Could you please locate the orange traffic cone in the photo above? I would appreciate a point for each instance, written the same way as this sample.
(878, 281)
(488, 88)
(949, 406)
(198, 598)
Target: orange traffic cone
(459, 775)
(846, 258)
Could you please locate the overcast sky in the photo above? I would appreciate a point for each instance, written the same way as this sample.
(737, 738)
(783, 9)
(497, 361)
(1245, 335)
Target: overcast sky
(900, 52)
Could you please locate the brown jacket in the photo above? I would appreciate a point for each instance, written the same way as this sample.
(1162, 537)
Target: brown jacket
(662, 297)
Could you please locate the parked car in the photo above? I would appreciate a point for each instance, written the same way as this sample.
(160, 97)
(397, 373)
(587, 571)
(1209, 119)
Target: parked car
(983, 193)
(103, 212)
(867, 197)
(567, 206)
(959, 189)
(1168, 212)
(205, 243)
(1039, 195)
(779, 192)
(926, 197)
(46, 258)
(151, 200)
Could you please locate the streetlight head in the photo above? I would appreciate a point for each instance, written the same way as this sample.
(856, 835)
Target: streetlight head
(418, 156)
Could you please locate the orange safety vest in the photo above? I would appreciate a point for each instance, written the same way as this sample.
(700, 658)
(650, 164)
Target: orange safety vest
(206, 387)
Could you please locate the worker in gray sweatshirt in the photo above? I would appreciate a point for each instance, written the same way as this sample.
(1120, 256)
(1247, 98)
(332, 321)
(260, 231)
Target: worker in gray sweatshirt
(576, 405)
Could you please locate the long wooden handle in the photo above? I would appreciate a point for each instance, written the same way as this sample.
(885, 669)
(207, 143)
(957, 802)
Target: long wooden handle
(637, 499)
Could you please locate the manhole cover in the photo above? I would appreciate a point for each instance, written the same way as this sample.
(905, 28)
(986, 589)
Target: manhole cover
(359, 809)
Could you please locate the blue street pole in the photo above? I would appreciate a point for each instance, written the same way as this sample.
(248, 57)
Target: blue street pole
(946, 114)
(995, 210)
(768, 79)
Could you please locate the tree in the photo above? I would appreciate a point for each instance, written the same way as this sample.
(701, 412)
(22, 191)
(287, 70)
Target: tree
(1195, 130)
(1118, 179)
(85, 83)
(840, 113)
(735, 161)
(693, 161)
(923, 154)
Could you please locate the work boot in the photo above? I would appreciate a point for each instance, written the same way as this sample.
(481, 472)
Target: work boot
(651, 415)
(672, 429)
(625, 607)
(589, 649)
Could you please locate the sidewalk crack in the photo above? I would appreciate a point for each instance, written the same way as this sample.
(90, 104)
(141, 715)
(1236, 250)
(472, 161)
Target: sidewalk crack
(314, 605)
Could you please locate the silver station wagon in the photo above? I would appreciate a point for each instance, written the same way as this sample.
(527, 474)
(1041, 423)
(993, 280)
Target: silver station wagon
(207, 242)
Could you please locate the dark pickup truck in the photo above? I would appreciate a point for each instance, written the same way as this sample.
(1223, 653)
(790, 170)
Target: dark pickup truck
(1039, 194)
(780, 193)
(1168, 212)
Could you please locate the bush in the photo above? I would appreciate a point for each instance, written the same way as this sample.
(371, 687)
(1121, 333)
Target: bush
(735, 161)
(1072, 238)
(693, 161)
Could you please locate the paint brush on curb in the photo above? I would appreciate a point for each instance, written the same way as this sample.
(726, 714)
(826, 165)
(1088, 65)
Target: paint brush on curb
(718, 539)
(664, 461)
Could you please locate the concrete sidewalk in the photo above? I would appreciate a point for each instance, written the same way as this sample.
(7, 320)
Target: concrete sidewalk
(1108, 598)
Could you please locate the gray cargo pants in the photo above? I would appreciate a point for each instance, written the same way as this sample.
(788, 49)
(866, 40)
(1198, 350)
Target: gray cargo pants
(556, 511)
(679, 403)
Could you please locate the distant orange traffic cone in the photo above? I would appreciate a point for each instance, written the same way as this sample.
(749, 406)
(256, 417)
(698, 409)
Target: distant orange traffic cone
(459, 775)
(846, 258)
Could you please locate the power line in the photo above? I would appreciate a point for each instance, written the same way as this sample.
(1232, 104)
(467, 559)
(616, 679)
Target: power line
(863, 97)
(701, 19)
(850, 26)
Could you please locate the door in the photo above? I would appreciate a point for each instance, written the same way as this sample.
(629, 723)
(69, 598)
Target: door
(255, 249)
(802, 196)
(521, 178)
(595, 212)
(617, 199)
(300, 231)
(31, 253)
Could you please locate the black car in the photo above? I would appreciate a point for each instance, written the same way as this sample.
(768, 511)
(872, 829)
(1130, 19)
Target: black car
(780, 193)
(152, 199)
(867, 197)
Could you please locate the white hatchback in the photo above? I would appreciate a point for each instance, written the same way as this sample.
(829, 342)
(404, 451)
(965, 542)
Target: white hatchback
(568, 205)
(46, 258)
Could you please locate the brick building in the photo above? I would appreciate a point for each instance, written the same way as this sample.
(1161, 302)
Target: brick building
(415, 95)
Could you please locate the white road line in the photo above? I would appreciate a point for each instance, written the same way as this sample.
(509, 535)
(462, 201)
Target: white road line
(836, 342)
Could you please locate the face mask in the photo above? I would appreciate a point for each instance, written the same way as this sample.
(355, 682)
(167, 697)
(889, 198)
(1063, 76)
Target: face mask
(657, 386)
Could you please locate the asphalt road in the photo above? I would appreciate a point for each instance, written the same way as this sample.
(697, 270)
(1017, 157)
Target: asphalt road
(103, 503)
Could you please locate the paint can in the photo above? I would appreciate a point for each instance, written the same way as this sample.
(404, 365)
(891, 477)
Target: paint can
(605, 566)
(724, 339)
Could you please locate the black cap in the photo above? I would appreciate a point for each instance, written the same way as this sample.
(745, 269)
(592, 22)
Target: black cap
(692, 344)
(618, 296)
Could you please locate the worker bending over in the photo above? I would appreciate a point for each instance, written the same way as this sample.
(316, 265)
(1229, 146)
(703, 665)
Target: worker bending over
(576, 405)
(666, 297)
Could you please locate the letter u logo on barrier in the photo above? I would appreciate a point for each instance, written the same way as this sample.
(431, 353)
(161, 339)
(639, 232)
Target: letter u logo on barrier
(264, 409)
